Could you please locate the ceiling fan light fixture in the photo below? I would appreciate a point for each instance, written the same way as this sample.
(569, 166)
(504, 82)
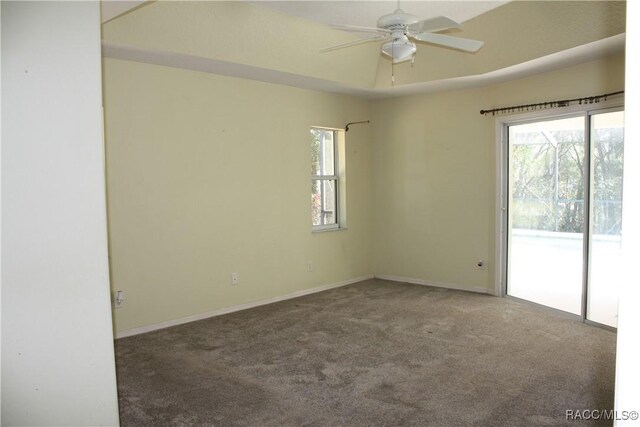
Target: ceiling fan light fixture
(399, 50)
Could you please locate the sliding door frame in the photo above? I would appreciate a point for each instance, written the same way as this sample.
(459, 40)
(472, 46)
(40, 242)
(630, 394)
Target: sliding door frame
(589, 215)
(502, 191)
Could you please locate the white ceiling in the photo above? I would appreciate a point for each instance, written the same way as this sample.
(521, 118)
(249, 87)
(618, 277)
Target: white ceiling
(366, 12)
(110, 9)
(353, 12)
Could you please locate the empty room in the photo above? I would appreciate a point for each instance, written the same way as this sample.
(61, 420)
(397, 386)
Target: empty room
(319, 213)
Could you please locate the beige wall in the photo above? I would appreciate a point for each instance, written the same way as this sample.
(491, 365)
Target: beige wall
(209, 175)
(432, 186)
(435, 181)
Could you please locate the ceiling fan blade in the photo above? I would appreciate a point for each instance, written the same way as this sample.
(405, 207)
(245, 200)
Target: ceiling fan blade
(354, 43)
(438, 23)
(360, 29)
(448, 41)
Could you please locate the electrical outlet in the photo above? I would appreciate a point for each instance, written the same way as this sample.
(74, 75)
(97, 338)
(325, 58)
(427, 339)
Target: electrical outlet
(481, 264)
(234, 279)
(118, 299)
(310, 266)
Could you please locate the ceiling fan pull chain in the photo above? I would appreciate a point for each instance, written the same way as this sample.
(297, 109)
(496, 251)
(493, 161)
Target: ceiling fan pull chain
(393, 74)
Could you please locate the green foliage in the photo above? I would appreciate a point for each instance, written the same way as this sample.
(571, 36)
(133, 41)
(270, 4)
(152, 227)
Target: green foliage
(548, 176)
(316, 195)
(608, 153)
(316, 145)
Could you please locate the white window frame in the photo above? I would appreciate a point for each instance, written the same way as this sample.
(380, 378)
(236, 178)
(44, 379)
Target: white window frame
(339, 179)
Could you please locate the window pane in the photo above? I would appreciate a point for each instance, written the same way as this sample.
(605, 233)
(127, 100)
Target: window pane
(547, 159)
(322, 152)
(316, 202)
(607, 138)
(316, 151)
(546, 208)
(329, 205)
(323, 202)
(327, 167)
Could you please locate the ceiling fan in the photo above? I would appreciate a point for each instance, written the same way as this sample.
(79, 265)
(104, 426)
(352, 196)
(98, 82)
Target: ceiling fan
(400, 29)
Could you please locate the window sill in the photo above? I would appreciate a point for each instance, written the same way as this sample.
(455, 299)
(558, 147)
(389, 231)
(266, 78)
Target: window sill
(325, 230)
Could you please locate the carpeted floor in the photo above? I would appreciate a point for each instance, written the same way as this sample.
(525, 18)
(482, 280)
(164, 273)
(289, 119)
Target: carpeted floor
(375, 353)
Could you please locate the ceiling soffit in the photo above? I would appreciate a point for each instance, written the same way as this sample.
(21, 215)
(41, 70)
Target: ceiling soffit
(242, 33)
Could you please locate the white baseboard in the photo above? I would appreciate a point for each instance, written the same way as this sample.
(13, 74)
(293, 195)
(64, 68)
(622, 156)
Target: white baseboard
(434, 284)
(227, 310)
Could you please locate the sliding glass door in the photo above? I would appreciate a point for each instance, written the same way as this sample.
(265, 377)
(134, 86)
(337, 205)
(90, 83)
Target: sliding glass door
(564, 213)
(546, 221)
(605, 260)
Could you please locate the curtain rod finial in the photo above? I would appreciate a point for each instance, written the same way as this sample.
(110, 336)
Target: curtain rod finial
(346, 128)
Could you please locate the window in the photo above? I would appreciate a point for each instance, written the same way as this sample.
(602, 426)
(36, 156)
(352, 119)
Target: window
(326, 179)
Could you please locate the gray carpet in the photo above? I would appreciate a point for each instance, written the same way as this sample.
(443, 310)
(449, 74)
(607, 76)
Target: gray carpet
(375, 353)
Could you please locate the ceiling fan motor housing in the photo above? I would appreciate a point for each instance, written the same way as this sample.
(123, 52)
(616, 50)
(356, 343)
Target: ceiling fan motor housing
(397, 21)
(400, 48)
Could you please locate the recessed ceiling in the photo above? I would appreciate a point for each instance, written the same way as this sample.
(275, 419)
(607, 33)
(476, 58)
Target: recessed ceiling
(278, 41)
(366, 12)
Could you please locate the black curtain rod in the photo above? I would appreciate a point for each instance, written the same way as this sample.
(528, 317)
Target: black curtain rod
(346, 128)
(550, 104)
